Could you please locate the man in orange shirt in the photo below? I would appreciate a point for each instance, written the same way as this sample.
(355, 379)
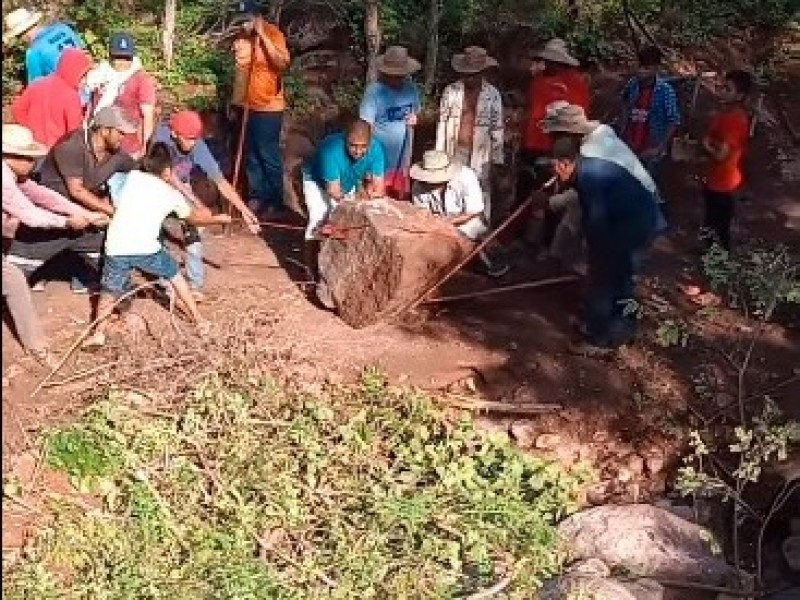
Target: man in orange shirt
(725, 142)
(556, 77)
(261, 58)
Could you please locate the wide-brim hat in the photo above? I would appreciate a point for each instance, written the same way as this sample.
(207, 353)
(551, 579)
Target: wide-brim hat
(18, 141)
(473, 60)
(19, 21)
(563, 117)
(436, 167)
(396, 61)
(556, 51)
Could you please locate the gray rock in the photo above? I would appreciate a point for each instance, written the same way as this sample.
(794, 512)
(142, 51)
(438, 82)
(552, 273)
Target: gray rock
(644, 540)
(591, 579)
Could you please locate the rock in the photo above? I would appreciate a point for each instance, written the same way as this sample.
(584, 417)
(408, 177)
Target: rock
(547, 441)
(654, 464)
(591, 579)
(524, 433)
(645, 540)
(392, 253)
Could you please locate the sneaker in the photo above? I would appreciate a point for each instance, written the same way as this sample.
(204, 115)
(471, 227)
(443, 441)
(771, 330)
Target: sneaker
(496, 271)
(94, 341)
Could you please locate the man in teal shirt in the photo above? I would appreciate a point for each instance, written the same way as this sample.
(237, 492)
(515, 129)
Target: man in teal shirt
(45, 42)
(346, 166)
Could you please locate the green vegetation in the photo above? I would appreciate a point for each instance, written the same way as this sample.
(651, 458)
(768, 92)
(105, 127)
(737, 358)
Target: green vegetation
(253, 491)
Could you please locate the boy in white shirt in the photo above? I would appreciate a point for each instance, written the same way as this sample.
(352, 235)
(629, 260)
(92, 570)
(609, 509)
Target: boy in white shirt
(142, 203)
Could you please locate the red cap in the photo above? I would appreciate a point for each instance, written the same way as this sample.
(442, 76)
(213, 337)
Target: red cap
(186, 123)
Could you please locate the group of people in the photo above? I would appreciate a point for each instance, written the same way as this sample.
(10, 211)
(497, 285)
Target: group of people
(89, 168)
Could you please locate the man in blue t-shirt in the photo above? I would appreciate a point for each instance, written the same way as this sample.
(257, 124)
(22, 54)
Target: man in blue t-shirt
(45, 42)
(345, 166)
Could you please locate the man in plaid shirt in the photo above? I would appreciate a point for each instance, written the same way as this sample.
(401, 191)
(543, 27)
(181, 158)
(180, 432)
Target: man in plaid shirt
(650, 115)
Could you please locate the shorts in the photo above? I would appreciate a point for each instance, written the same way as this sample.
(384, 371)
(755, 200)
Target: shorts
(117, 270)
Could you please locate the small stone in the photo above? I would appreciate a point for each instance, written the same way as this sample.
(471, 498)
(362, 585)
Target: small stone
(598, 493)
(524, 433)
(636, 464)
(654, 464)
(624, 474)
(547, 441)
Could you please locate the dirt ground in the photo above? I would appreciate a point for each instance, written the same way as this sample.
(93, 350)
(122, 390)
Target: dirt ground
(624, 416)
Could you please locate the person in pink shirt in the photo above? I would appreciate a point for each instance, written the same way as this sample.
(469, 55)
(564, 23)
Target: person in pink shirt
(28, 204)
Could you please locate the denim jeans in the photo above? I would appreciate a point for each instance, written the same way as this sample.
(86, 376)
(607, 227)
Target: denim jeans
(264, 158)
(195, 268)
(608, 317)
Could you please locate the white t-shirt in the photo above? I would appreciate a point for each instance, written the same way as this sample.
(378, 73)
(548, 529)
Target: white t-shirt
(141, 205)
(462, 196)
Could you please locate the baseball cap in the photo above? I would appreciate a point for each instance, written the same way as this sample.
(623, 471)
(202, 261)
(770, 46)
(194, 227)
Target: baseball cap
(187, 123)
(113, 117)
(122, 45)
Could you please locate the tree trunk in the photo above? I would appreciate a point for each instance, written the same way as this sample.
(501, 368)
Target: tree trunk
(372, 31)
(432, 50)
(168, 35)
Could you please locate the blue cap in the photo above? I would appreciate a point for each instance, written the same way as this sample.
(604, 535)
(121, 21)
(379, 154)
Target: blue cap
(122, 45)
(249, 7)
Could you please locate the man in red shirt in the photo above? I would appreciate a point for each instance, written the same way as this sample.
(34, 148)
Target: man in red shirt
(51, 106)
(556, 77)
(725, 142)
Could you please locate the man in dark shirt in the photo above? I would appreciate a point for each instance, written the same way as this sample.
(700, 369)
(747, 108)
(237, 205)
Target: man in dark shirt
(620, 218)
(77, 167)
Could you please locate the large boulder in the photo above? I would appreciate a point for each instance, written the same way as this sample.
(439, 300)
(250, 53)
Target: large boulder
(592, 579)
(644, 540)
(390, 254)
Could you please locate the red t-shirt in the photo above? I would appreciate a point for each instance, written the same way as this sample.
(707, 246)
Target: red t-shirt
(138, 90)
(569, 86)
(638, 133)
(732, 128)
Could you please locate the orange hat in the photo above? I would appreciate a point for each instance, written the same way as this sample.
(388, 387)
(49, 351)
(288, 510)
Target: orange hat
(186, 123)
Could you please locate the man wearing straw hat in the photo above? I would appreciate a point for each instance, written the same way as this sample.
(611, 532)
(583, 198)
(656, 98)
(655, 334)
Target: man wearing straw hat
(45, 42)
(471, 128)
(31, 206)
(555, 78)
(619, 206)
(391, 105)
(452, 191)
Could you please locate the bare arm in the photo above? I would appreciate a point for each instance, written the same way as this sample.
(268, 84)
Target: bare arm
(277, 56)
(334, 189)
(81, 195)
(203, 217)
(148, 124)
(231, 195)
(461, 219)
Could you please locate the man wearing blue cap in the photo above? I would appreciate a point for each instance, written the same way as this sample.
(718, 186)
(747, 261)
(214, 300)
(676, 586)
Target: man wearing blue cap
(122, 81)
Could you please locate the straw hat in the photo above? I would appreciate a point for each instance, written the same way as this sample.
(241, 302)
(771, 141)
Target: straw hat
(556, 51)
(18, 140)
(436, 167)
(396, 61)
(567, 118)
(474, 60)
(19, 21)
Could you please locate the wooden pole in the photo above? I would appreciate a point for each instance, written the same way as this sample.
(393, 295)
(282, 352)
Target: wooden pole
(506, 288)
(520, 209)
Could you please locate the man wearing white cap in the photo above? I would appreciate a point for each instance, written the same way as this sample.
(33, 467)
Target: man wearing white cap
(391, 105)
(45, 42)
(471, 127)
(26, 204)
(452, 191)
